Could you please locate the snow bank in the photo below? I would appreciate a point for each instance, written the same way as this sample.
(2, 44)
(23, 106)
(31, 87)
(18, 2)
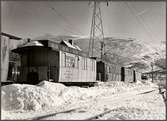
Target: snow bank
(144, 107)
(56, 88)
(128, 113)
(24, 97)
(118, 86)
(46, 94)
(74, 93)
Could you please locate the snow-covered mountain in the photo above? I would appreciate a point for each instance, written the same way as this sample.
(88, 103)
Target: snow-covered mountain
(56, 38)
(130, 52)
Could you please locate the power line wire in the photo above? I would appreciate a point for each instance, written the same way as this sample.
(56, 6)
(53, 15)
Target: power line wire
(140, 21)
(137, 19)
(148, 29)
(71, 25)
(68, 28)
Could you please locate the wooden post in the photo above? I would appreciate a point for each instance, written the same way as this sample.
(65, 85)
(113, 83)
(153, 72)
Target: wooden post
(99, 74)
(4, 58)
(152, 71)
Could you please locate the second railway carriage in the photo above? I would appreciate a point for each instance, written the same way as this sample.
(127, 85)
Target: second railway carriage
(127, 75)
(58, 62)
(137, 76)
(130, 75)
(107, 71)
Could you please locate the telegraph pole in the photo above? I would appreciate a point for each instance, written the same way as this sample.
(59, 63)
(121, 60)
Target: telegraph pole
(96, 29)
(152, 70)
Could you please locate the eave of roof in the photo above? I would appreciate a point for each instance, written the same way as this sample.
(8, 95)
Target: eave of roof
(10, 36)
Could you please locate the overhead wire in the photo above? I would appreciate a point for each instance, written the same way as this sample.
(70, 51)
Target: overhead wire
(137, 19)
(71, 26)
(149, 30)
(140, 21)
(65, 29)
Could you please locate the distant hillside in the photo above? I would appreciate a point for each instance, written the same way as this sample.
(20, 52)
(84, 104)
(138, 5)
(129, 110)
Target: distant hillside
(129, 52)
(55, 38)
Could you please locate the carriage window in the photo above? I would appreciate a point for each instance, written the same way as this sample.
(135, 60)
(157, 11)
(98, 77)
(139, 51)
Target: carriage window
(64, 60)
(82, 66)
(76, 61)
(70, 61)
(93, 65)
(85, 64)
(110, 69)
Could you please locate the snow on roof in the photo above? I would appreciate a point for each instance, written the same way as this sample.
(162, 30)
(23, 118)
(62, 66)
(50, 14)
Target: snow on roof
(128, 66)
(33, 43)
(78, 48)
(38, 43)
(68, 44)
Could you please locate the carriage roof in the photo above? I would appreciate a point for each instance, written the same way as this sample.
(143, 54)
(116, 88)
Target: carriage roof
(55, 46)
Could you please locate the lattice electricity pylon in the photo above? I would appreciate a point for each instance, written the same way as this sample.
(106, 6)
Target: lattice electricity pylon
(96, 29)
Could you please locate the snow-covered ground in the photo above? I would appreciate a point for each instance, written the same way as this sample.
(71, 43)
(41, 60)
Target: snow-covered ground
(23, 101)
(141, 107)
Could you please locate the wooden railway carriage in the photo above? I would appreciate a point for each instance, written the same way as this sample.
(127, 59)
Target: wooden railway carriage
(138, 76)
(127, 75)
(130, 75)
(107, 71)
(58, 62)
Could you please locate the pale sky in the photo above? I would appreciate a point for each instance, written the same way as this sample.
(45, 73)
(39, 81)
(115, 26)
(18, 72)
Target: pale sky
(145, 21)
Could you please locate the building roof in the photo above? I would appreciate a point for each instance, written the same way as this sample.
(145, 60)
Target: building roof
(10, 36)
(61, 46)
(155, 71)
(77, 47)
(32, 43)
(68, 44)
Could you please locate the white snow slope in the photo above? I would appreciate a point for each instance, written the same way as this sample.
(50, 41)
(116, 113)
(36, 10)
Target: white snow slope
(23, 101)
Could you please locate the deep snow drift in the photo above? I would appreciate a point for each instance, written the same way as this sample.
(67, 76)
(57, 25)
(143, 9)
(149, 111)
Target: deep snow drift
(46, 95)
(29, 97)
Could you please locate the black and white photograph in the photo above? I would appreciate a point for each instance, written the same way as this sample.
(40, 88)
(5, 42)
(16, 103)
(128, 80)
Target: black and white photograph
(83, 60)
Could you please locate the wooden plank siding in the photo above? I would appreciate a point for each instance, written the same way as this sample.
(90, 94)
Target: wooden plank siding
(81, 71)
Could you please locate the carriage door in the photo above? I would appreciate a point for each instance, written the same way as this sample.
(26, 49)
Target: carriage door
(53, 73)
(33, 76)
(122, 74)
(134, 76)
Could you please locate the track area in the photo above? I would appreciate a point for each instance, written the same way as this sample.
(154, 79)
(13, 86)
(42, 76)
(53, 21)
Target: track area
(105, 107)
(104, 101)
